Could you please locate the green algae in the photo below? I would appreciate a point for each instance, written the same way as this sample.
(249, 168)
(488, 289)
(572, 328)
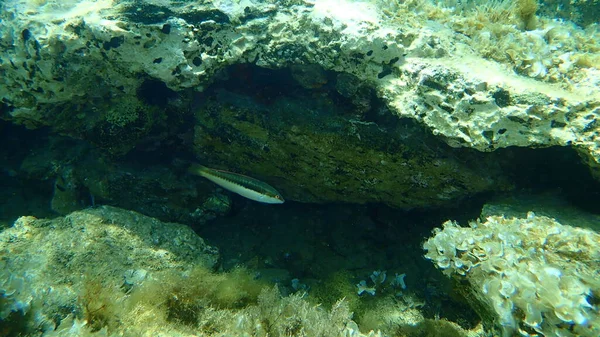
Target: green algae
(321, 154)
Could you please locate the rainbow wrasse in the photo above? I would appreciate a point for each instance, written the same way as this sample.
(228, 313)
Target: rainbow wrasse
(243, 185)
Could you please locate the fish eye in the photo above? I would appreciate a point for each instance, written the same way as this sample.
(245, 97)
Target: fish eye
(278, 197)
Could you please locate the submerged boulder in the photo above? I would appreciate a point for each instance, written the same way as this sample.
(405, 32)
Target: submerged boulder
(49, 266)
(122, 73)
(112, 272)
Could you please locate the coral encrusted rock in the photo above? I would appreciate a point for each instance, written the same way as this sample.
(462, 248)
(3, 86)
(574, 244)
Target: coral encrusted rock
(78, 65)
(532, 276)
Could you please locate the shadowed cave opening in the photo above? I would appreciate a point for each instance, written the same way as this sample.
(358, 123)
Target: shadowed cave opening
(557, 169)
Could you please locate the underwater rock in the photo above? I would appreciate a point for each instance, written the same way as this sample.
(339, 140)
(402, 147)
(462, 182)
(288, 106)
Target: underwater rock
(581, 12)
(313, 153)
(109, 71)
(47, 264)
(71, 174)
(533, 275)
(551, 205)
(66, 197)
(111, 272)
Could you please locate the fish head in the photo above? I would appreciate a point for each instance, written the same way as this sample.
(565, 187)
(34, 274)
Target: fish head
(271, 199)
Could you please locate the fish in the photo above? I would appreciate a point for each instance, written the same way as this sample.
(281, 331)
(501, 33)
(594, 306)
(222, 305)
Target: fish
(245, 186)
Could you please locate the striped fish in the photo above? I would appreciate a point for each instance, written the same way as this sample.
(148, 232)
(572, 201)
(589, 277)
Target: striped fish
(245, 186)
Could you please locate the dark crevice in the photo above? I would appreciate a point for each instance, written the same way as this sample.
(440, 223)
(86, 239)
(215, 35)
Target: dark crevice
(155, 92)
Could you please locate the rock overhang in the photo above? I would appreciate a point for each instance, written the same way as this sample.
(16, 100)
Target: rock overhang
(420, 68)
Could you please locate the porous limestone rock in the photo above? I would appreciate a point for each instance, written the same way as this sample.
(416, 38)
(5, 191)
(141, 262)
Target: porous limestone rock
(71, 64)
(46, 264)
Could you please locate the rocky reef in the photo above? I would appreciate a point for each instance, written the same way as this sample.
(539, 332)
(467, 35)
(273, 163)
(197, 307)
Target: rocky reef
(112, 272)
(376, 120)
(113, 72)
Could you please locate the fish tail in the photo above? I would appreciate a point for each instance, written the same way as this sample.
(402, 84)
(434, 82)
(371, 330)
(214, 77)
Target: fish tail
(197, 169)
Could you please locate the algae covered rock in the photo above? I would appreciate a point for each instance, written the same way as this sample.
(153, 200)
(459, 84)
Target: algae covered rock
(112, 71)
(47, 265)
(72, 175)
(551, 205)
(528, 275)
(111, 272)
(313, 151)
